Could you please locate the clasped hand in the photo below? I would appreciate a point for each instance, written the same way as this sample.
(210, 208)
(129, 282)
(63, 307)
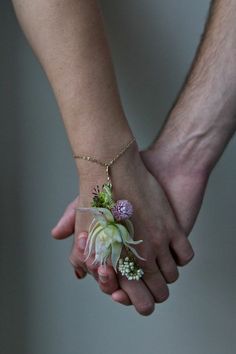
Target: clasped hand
(162, 218)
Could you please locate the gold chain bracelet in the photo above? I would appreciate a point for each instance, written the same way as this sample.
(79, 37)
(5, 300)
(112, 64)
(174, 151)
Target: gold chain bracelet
(106, 164)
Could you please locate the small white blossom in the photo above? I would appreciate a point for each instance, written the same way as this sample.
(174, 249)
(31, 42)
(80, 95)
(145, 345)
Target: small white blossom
(130, 269)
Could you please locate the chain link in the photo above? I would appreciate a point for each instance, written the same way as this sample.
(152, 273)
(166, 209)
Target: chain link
(106, 164)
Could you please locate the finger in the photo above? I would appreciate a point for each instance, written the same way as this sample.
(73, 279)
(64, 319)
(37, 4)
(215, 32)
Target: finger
(167, 264)
(77, 256)
(156, 283)
(80, 273)
(138, 294)
(92, 267)
(182, 249)
(65, 226)
(107, 279)
(121, 297)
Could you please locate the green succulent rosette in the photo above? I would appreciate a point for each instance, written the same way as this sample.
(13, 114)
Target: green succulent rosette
(111, 233)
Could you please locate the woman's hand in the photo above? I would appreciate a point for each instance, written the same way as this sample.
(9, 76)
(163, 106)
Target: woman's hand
(165, 244)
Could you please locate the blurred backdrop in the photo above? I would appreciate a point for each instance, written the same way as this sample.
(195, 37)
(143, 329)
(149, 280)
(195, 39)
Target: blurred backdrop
(44, 309)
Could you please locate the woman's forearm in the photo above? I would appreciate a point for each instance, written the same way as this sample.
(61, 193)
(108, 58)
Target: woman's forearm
(69, 41)
(204, 117)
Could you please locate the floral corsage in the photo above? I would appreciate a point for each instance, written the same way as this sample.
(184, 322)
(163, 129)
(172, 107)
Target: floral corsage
(111, 233)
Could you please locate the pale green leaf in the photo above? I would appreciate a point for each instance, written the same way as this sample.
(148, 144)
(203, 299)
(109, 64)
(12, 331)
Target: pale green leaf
(135, 253)
(115, 253)
(130, 227)
(91, 240)
(102, 215)
(113, 233)
(106, 213)
(102, 252)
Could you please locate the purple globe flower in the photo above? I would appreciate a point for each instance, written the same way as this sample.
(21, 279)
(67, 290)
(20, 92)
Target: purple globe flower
(122, 210)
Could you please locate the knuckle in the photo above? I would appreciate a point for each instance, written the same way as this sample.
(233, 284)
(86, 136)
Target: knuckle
(186, 258)
(183, 248)
(158, 242)
(183, 234)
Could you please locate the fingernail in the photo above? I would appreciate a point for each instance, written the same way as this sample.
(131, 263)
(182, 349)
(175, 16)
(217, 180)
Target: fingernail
(79, 274)
(82, 242)
(103, 277)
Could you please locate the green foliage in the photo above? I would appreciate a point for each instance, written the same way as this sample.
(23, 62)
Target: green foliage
(103, 198)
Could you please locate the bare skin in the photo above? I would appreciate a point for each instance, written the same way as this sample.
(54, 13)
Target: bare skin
(68, 38)
(196, 133)
(165, 244)
(106, 277)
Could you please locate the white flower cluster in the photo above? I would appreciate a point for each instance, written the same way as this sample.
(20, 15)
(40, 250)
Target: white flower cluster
(130, 269)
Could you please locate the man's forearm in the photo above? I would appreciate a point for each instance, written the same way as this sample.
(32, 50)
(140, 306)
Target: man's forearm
(204, 116)
(68, 38)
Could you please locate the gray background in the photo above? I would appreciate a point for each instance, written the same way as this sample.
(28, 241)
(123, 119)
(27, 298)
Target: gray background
(44, 309)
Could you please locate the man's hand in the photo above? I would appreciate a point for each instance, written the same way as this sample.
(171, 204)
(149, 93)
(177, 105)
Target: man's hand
(183, 187)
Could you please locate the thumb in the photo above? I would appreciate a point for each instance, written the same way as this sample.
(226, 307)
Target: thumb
(66, 224)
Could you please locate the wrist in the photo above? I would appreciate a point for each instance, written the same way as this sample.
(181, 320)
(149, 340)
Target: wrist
(183, 153)
(103, 146)
(92, 173)
(195, 136)
(177, 160)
